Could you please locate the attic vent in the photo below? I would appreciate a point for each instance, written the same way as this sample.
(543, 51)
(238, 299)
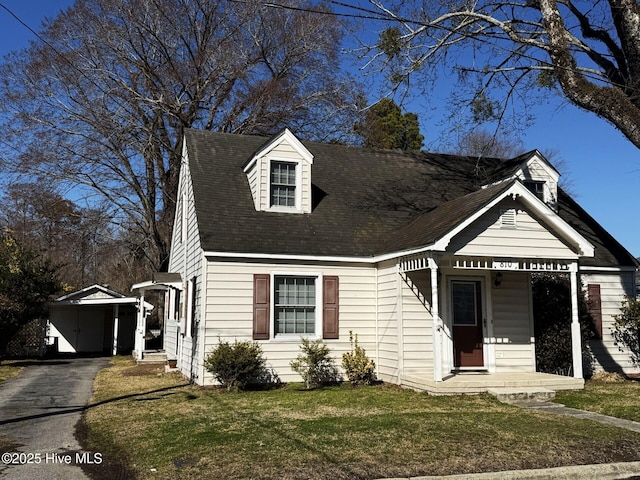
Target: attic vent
(508, 218)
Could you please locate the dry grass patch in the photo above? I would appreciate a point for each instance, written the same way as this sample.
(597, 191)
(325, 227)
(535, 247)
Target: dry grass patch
(174, 430)
(10, 369)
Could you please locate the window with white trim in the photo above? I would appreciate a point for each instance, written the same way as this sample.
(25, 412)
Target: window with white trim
(283, 184)
(294, 305)
(535, 187)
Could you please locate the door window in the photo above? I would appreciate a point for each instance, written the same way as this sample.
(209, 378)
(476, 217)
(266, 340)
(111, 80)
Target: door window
(465, 310)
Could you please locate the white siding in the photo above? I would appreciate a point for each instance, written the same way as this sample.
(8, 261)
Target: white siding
(512, 326)
(253, 178)
(186, 259)
(613, 288)
(529, 239)
(417, 323)
(229, 310)
(388, 313)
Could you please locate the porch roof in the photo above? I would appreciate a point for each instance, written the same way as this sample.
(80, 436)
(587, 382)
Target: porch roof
(159, 281)
(436, 228)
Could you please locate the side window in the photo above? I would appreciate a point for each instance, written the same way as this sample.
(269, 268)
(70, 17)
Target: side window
(535, 187)
(295, 305)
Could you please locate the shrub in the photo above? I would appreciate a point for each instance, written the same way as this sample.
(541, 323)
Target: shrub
(358, 367)
(238, 366)
(626, 329)
(552, 324)
(315, 365)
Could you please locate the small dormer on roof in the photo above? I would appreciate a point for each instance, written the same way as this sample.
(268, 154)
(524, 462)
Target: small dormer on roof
(535, 172)
(279, 175)
(540, 177)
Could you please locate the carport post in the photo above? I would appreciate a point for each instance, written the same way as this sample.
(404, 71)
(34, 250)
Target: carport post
(116, 313)
(140, 326)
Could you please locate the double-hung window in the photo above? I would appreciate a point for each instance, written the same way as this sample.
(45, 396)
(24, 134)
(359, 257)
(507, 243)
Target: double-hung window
(295, 305)
(283, 184)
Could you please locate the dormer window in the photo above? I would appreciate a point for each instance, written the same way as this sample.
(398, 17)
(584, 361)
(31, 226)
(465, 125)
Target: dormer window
(283, 184)
(279, 175)
(535, 187)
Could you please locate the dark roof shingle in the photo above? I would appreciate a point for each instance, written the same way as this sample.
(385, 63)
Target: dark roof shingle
(365, 201)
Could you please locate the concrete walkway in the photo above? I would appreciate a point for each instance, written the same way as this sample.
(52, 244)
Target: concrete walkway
(39, 410)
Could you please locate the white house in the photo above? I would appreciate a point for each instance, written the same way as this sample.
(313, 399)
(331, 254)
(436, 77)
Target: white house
(427, 257)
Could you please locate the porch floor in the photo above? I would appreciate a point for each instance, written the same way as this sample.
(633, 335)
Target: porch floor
(482, 382)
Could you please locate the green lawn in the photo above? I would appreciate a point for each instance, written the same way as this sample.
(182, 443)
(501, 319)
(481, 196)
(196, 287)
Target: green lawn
(156, 426)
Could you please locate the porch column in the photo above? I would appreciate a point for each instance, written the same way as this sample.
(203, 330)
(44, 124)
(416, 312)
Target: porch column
(116, 314)
(576, 338)
(437, 327)
(140, 324)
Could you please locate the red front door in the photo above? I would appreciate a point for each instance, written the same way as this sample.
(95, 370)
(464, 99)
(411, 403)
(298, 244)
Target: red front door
(467, 323)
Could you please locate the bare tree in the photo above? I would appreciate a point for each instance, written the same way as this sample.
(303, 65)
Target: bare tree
(80, 242)
(482, 143)
(506, 50)
(101, 101)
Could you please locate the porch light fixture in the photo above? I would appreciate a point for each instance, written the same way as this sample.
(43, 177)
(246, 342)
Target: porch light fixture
(498, 280)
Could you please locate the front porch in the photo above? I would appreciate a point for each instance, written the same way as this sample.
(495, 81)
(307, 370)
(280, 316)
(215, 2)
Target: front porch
(471, 383)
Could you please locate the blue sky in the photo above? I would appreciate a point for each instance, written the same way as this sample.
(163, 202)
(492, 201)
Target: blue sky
(603, 167)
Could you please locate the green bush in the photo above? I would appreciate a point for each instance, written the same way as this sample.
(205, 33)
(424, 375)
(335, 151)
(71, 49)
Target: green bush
(358, 367)
(626, 329)
(238, 366)
(315, 365)
(552, 324)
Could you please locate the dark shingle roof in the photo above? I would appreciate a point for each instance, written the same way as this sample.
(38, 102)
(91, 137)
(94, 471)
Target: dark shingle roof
(365, 202)
(608, 251)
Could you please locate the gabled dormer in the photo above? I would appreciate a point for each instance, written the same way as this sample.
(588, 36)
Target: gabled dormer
(537, 174)
(540, 177)
(279, 175)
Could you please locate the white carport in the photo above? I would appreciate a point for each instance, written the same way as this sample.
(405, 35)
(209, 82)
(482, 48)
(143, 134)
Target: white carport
(95, 319)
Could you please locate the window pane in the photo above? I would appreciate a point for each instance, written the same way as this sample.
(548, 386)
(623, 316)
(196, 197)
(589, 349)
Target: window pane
(464, 303)
(283, 184)
(295, 308)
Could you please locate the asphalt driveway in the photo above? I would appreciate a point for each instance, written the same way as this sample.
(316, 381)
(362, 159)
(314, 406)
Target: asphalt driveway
(39, 410)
